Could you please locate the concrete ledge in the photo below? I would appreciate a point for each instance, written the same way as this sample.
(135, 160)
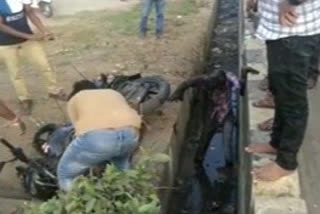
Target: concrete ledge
(285, 187)
(284, 205)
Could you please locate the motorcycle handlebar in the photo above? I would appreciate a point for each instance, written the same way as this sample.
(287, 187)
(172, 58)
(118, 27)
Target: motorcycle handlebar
(16, 152)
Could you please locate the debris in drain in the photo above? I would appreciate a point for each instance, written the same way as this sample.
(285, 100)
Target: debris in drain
(209, 176)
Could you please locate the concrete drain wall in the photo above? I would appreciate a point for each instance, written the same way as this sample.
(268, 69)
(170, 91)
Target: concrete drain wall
(231, 193)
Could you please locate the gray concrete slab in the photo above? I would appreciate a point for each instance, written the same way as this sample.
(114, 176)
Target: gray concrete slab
(283, 205)
(310, 156)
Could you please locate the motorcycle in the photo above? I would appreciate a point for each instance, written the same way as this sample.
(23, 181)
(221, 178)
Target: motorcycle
(39, 177)
(45, 7)
(147, 93)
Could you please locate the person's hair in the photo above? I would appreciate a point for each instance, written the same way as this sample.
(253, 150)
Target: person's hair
(81, 85)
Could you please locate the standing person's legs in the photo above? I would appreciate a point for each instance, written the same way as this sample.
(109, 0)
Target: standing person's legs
(314, 71)
(35, 53)
(146, 10)
(160, 7)
(274, 59)
(289, 75)
(10, 55)
(94, 148)
(289, 66)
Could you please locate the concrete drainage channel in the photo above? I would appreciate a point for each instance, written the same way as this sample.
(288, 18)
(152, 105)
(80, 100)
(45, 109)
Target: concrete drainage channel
(221, 185)
(212, 182)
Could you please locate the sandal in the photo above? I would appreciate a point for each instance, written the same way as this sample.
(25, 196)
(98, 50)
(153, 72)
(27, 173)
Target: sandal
(267, 125)
(266, 102)
(26, 106)
(61, 95)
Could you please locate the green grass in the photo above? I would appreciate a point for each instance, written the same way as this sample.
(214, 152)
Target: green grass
(182, 8)
(92, 29)
(126, 23)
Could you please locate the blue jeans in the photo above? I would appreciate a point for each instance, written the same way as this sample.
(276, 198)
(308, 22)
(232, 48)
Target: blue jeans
(147, 7)
(95, 148)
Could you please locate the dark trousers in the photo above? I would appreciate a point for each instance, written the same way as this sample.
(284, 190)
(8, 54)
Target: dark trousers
(291, 60)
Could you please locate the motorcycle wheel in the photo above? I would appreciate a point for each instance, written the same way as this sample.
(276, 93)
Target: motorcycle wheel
(42, 136)
(37, 184)
(46, 9)
(158, 93)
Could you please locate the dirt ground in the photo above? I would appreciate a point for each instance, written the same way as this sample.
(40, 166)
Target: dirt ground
(92, 42)
(68, 7)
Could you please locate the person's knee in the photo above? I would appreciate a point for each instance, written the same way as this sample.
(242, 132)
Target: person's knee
(64, 178)
(160, 16)
(65, 184)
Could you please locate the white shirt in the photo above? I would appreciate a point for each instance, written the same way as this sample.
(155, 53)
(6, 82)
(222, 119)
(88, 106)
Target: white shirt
(14, 6)
(269, 28)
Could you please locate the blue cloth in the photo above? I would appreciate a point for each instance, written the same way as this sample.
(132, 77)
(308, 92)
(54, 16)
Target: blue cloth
(60, 139)
(95, 148)
(147, 7)
(214, 157)
(14, 18)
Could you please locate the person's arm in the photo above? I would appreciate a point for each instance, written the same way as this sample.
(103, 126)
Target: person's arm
(8, 114)
(213, 80)
(5, 112)
(30, 12)
(9, 30)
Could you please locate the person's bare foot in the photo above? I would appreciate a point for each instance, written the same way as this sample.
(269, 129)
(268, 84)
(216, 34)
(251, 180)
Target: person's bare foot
(266, 102)
(264, 84)
(271, 172)
(58, 95)
(264, 148)
(267, 125)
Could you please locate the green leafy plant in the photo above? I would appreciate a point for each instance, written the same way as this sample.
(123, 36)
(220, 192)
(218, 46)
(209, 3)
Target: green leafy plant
(116, 192)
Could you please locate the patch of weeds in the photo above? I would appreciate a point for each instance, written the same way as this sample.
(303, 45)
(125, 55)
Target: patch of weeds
(182, 8)
(89, 30)
(126, 23)
(116, 191)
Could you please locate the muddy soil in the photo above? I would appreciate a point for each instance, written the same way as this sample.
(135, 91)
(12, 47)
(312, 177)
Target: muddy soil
(93, 42)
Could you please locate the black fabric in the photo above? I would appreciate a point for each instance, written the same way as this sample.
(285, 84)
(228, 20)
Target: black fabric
(296, 2)
(290, 61)
(17, 21)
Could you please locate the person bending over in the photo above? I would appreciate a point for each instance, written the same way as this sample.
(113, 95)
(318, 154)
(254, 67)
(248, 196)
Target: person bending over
(107, 130)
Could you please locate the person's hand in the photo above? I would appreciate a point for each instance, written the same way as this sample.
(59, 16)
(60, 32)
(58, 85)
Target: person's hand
(20, 124)
(251, 6)
(45, 148)
(37, 36)
(288, 15)
(49, 36)
(176, 96)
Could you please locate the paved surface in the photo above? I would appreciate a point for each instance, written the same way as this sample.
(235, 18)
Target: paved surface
(310, 156)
